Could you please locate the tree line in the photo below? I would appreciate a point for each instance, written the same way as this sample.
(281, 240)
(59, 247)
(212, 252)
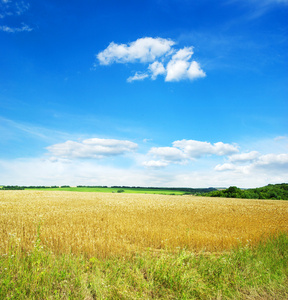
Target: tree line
(270, 191)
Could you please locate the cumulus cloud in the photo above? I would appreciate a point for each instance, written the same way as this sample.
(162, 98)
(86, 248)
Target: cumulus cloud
(155, 164)
(165, 164)
(92, 148)
(244, 157)
(272, 161)
(156, 69)
(195, 149)
(180, 67)
(187, 150)
(225, 167)
(143, 50)
(164, 58)
(250, 162)
(168, 153)
(83, 172)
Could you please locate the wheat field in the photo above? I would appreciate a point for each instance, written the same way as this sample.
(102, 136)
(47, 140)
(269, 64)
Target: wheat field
(101, 224)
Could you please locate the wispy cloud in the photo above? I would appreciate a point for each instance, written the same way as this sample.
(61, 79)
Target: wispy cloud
(24, 130)
(12, 8)
(8, 9)
(137, 76)
(16, 29)
(258, 8)
(161, 55)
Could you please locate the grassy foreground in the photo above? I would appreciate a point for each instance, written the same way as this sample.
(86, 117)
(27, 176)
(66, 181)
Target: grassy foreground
(259, 272)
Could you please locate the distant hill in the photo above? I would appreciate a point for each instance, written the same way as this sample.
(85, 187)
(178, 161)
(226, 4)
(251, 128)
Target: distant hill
(270, 191)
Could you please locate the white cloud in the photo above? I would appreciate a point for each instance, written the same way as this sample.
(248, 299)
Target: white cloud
(279, 138)
(225, 167)
(176, 70)
(59, 172)
(166, 165)
(170, 154)
(187, 150)
(21, 7)
(178, 66)
(164, 59)
(144, 50)
(195, 149)
(15, 8)
(155, 163)
(273, 161)
(156, 69)
(147, 140)
(16, 29)
(137, 76)
(244, 157)
(38, 171)
(268, 163)
(195, 71)
(92, 148)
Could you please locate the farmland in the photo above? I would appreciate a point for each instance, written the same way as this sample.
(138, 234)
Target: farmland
(112, 190)
(105, 226)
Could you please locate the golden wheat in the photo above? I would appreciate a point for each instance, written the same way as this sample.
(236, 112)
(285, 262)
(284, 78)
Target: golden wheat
(102, 224)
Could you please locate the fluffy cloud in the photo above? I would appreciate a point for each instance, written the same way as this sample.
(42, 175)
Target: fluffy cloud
(225, 167)
(250, 169)
(244, 157)
(83, 172)
(168, 153)
(92, 148)
(164, 59)
(155, 164)
(143, 50)
(272, 161)
(195, 149)
(185, 150)
(180, 67)
(250, 162)
(156, 69)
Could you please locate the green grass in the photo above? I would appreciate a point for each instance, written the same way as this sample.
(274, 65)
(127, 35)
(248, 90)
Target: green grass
(243, 273)
(114, 190)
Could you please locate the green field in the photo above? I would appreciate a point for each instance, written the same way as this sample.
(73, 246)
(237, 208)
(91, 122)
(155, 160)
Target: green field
(114, 190)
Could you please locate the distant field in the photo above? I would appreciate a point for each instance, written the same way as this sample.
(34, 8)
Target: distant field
(114, 190)
(100, 224)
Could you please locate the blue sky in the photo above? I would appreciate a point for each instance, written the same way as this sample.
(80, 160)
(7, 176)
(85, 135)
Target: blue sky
(147, 93)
